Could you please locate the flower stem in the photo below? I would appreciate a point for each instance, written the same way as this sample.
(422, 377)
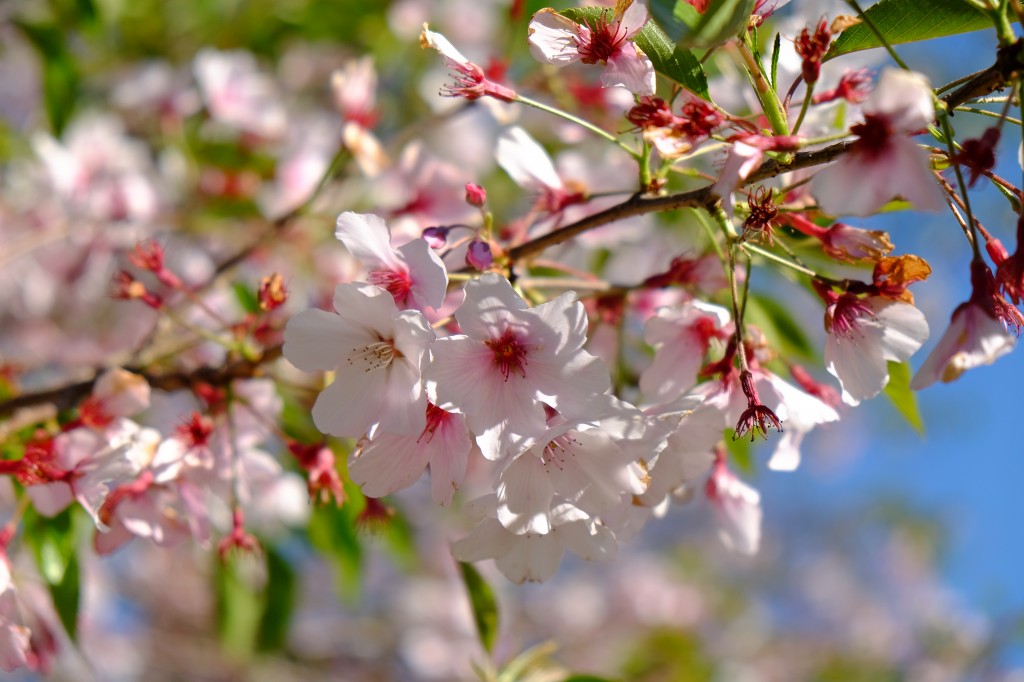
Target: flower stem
(580, 122)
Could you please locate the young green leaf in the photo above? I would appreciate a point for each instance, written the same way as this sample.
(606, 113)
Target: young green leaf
(279, 602)
(898, 391)
(53, 544)
(484, 604)
(677, 18)
(672, 61)
(907, 21)
(721, 21)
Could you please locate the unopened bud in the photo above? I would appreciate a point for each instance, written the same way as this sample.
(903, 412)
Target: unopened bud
(436, 237)
(479, 255)
(475, 195)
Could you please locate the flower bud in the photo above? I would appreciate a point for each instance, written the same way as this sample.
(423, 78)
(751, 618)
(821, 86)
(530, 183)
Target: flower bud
(479, 255)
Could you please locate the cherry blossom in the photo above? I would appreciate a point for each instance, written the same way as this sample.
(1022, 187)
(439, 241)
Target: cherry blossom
(864, 335)
(392, 462)
(737, 509)
(584, 467)
(413, 274)
(530, 556)
(237, 94)
(377, 353)
(556, 39)
(681, 338)
(509, 359)
(470, 81)
(975, 336)
(883, 163)
(529, 165)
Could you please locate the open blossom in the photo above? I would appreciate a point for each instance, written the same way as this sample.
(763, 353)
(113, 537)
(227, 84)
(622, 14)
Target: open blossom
(237, 94)
(413, 274)
(883, 163)
(470, 81)
(864, 335)
(681, 338)
(975, 336)
(87, 464)
(556, 39)
(737, 509)
(391, 462)
(529, 165)
(584, 467)
(376, 351)
(508, 360)
(744, 157)
(530, 556)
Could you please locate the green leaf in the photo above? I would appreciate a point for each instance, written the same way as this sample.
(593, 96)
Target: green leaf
(279, 602)
(53, 543)
(672, 61)
(484, 604)
(722, 20)
(907, 21)
(60, 76)
(898, 391)
(741, 452)
(332, 532)
(239, 604)
(775, 60)
(587, 678)
(676, 17)
(246, 298)
(668, 59)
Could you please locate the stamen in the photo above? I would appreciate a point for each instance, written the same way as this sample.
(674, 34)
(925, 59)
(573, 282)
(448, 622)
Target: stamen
(374, 356)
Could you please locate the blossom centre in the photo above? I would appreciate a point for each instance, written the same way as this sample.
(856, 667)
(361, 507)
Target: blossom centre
(397, 283)
(843, 317)
(601, 44)
(509, 354)
(558, 451)
(374, 356)
(874, 134)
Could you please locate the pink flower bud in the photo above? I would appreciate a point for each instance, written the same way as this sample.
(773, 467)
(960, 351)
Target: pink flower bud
(475, 195)
(437, 236)
(479, 255)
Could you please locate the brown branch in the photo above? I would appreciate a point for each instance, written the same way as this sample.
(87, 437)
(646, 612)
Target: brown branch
(67, 396)
(639, 204)
(1008, 64)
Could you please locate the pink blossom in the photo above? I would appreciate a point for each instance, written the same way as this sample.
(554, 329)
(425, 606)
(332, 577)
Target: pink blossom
(237, 94)
(556, 39)
(530, 166)
(392, 462)
(413, 274)
(882, 163)
(975, 336)
(15, 636)
(531, 556)
(681, 338)
(864, 335)
(744, 157)
(377, 353)
(508, 360)
(584, 467)
(354, 87)
(469, 78)
(737, 509)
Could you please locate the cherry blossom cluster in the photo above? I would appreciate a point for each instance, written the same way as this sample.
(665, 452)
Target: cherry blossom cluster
(565, 360)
